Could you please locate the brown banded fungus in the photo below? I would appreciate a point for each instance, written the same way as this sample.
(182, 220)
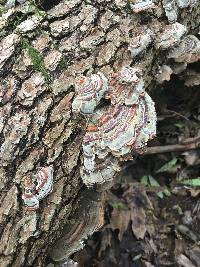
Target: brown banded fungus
(140, 42)
(37, 187)
(89, 93)
(187, 51)
(126, 86)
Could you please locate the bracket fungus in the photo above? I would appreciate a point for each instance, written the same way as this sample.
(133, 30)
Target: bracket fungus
(187, 51)
(37, 187)
(89, 93)
(171, 36)
(126, 86)
(113, 131)
(121, 128)
(140, 42)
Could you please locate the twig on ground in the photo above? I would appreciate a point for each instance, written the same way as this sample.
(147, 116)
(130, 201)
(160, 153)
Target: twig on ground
(176, 114)
(188, 144)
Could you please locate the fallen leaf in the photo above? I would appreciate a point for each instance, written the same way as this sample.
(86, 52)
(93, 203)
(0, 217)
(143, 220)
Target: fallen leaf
(192, 182)
(194, 192)
(120, 220)
(106, 240)
(138, 219)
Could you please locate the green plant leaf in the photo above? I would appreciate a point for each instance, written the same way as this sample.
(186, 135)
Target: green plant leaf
(169, 165)
(144, 180)
(37, 59)
(38, 12)
(160, 194)
(167, 192)
(153, 182)
(179, 125)
(148, 180)
(192, 182)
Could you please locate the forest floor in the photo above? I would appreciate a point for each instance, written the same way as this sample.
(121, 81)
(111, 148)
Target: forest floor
(152, 212)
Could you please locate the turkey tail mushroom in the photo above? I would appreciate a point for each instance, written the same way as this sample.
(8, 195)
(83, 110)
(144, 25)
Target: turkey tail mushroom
(187, 51)
(37, 187)
(89, 92)
(127, 124)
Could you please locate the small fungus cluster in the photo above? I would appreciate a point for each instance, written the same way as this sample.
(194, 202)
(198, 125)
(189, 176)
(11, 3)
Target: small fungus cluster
(37, 187)
(140, 42)
(188, 50)
(183, 52)
(170, 36)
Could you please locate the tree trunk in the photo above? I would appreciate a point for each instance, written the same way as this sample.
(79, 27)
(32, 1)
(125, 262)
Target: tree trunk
(41, 57)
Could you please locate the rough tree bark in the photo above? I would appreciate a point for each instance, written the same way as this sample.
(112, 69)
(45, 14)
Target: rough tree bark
(39, 63)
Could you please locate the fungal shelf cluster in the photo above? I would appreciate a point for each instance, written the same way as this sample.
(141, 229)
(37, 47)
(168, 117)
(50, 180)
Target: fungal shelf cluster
(113, 130)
